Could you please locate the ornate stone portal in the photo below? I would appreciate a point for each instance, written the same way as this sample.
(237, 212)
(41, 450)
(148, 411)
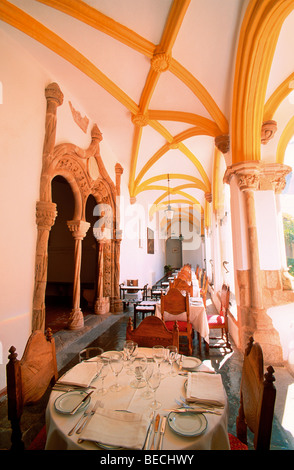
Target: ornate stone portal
(84, 171)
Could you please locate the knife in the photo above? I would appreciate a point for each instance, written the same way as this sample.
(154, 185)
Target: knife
(148, 437)
(81, 402)
(156, 426)
(92, 412)
(162, 431)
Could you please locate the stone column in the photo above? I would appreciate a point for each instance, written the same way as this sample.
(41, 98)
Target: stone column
(79, 229)
(252, 176)
(101, 303)
(45, 217)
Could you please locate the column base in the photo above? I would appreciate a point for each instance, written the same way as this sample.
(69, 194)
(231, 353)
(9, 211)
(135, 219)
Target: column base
(76, 319)
(101, 306)
(117, 306)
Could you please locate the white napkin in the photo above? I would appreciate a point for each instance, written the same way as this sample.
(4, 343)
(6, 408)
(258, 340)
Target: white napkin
(206, 389)
(81, 375)
(117, 428)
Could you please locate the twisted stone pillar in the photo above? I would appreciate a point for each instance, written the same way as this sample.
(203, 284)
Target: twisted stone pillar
(45, 218)
(79, 229)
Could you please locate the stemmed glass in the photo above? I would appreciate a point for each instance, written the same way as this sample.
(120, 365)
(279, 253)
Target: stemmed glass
(116, 365)
(147, 374)
(172, 357)
(102, 371)
(154, 382)
(139, 365)
(133, 354)
(158, 354)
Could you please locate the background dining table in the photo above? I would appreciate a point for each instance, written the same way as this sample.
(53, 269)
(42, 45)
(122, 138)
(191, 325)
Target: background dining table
(214, 437)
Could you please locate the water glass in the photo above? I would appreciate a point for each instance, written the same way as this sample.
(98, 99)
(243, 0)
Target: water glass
(147, 374)
(172, 357)
(158, 353)
(138, 367)
(90, 353)
(102, 372)
(154, 382)
(116, 365)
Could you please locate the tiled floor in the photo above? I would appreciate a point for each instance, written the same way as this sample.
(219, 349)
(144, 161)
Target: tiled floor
(227, 363)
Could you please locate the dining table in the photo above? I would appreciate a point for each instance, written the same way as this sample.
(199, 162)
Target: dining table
(198, 317)
(127, 416)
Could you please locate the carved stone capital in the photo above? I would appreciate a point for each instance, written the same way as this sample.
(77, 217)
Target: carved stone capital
(78, 228)
(132, 200)
(160, 62)
(268, 130)
(255, 175)
(53, 93)
(45, 214)
(247, 174)
(222, 142)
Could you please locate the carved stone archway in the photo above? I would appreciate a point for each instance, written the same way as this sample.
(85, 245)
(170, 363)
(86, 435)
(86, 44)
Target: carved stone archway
(84, 171)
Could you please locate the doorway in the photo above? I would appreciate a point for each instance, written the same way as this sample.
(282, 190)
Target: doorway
(173, 252)
(60, 274)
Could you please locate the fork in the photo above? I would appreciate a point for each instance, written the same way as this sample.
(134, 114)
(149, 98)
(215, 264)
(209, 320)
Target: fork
(91, 413)
(86, 413)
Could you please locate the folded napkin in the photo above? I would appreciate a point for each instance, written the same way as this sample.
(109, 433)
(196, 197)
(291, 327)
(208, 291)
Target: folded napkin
(81, 375)
(117, 428)
(196, 299)
(206, 389)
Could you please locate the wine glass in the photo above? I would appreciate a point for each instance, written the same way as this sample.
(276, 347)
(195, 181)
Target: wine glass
(172, 357)
(158, 354)
(116, 365)
(147, 374)
(133, 354)
(88, 354)
(154, 382)
(102, 371)
(138, 367)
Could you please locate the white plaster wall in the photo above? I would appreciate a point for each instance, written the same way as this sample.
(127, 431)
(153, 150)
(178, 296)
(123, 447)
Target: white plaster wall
(22, 123)
(22, 118)
(283, 321)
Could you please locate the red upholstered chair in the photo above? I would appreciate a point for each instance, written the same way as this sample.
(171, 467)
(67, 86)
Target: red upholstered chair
(257, 401)
(220, 321)
(175, 303)
(28, 380)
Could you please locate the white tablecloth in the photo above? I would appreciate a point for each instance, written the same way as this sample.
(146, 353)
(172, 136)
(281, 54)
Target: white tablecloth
(58, 425)
(198, 318)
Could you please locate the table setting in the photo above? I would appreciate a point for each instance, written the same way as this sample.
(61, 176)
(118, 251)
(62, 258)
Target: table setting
(148, 400)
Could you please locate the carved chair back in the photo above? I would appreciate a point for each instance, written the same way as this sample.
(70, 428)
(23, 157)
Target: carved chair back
(29, 378)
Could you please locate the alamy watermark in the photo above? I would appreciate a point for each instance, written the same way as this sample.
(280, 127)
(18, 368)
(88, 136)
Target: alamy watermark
(134, 220)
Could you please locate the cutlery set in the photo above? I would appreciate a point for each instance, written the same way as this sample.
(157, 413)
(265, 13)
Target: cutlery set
(154, 426)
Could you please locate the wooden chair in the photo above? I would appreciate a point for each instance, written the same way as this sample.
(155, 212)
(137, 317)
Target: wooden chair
(175, 303)
(152, 331)
(185, 276)
(220, 321)
(203, 290)
(257, 401)
(29, 378)
(182, 285)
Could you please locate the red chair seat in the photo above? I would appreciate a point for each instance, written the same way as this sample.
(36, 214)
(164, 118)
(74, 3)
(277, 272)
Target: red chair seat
(216, 320)
(181, 324)
(236, 444)
(40, 440)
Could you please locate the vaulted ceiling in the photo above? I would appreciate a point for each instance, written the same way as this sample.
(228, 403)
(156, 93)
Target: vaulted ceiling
(165, 80)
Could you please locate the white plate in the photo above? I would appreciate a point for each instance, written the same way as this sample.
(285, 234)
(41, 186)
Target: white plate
(190, 363)
(187, 424)
(66, 402)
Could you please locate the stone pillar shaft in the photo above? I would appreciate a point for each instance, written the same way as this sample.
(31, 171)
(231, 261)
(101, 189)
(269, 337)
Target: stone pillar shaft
(79, 229)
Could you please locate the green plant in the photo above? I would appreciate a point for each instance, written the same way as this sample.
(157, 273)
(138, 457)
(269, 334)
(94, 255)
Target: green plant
(168, 268)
